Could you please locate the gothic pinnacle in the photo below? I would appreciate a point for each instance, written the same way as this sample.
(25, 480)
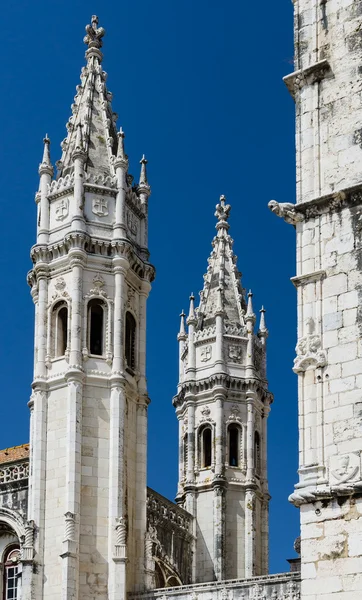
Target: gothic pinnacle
(262, 327)
(182, 333)
(46, 165)
(121, 158)
(250, 316)
(192, 317)
(143, 175)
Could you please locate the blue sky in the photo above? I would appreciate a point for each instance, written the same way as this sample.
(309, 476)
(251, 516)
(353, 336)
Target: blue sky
(198, 88)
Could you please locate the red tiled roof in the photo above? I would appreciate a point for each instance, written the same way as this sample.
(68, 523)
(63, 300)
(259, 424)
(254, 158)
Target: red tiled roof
(14, 453)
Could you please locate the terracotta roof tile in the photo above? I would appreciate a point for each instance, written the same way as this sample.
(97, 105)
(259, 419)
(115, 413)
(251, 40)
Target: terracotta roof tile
(14, 453)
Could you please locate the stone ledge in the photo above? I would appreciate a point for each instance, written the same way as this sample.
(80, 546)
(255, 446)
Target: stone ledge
(315, 73)
(299, 280)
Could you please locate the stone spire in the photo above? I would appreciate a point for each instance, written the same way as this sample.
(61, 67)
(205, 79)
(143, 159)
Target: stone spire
(222, 273)
(46, 165)
(92, 108)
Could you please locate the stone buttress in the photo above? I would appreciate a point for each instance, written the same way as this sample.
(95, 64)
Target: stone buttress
(327, 87)
(90, 282)
(222, 406)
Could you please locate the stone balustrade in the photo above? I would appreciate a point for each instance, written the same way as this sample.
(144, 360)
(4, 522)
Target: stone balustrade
(284, 586)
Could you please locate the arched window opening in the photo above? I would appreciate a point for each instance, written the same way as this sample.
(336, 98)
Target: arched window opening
(206, 447)
(234, 445)
(130, 340)
(11, 570)
(96, 327)
(257, 457)
(61, 331)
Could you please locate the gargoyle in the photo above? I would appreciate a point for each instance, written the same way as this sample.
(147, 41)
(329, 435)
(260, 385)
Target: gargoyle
(287, 211)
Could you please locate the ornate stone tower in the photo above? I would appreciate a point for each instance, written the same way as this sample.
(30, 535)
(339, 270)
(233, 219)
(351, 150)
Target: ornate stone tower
(222, 406)
(327, 87)
(90, 282)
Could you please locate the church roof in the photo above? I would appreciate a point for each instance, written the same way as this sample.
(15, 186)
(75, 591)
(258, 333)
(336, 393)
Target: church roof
(222, 278)
(93, 119)
(15, 453)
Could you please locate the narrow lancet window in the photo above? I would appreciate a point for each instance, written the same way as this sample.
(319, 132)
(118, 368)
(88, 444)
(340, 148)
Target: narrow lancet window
(60, 329)
(96, 326)
(234, 445)
(130, 341)
(206, 447)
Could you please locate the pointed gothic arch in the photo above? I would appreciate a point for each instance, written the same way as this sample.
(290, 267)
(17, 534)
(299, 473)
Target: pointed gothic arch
(234, 444)
(205, 445)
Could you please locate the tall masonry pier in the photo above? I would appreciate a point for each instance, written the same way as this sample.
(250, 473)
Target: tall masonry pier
(327, 88)
(90, 281)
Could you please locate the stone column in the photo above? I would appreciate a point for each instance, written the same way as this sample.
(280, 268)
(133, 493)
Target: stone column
(141, 491)
(117, 528)
(190, 475)
(219, 532)
(143, 295)
(265, 501)
(38, 433)
(250, 434)
(219, 436)
(250, 493)
(74, 378)
(117, 543)
(181, 457)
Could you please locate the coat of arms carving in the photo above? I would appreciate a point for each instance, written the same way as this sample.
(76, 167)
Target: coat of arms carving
(206, 353)
(235, 353)
(100, 207)
(132, 223)
(62, 209)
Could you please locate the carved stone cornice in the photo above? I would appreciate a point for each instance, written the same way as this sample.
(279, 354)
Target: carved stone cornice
(192, 388)
(333, 202)
(308, 76)
(43, 255)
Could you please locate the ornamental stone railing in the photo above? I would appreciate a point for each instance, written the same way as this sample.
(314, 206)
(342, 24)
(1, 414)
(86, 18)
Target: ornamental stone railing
(160, 508)
(170, 533)
(11, 473)
(283, 586)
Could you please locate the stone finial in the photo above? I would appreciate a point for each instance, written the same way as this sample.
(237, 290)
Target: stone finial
(182, 324)
(120, 150)
(143, 174)
(250, 316)
(222, 213)
(93, 39)
(192, 316)
(286, 211)
(121, 158)
(262, 326)
(46, 165)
